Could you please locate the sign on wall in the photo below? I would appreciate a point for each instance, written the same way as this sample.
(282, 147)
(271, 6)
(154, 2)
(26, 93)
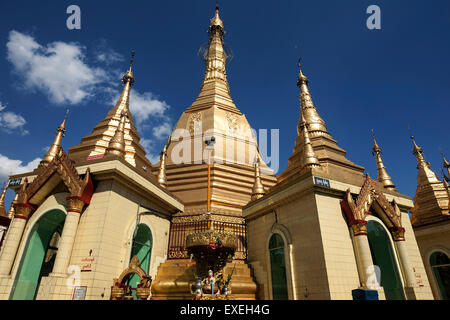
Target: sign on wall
(322, 182)
(79, 293)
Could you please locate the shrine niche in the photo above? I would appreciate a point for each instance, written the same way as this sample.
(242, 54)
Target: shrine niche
(49, 176)
(121, 291)
(211, 250)
(371, 200)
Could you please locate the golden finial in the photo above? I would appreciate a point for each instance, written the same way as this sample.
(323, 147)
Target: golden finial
(54, 149)
(129, 77)
(417, 151)
(383, 176)
(258, 189)
(162, 178)
(216, 21)
(2, 200)
(376, 148)
(309, 158)
(116, 145)
(11, 211)
(301, 77)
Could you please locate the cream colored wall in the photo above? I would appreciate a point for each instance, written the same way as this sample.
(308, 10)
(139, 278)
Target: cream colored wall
(323, 256)
(308, 262)
(429, 240)
(106, 227)
(341, 267)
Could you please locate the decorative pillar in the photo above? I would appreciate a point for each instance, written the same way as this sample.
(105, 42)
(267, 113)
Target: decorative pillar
(13, 237)
(362, 249)
(398, 235)
(74, 207)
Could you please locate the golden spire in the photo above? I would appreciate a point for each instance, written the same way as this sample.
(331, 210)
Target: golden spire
(162, 178)
(116, 145)
(2, 201)
(308, 158)
(425, 175)
(56, 146)
(383, 176)
(215, 60)
(123, 104)
(317, 126)
(258, 189)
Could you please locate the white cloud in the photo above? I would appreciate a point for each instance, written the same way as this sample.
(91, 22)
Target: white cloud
(145, 105)
(11, 122)
(58, 69)
(149, 147)
(163, 130)
(9, 166)
(105, 54)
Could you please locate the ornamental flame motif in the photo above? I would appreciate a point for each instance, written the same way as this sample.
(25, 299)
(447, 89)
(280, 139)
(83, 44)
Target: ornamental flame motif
(195, 122)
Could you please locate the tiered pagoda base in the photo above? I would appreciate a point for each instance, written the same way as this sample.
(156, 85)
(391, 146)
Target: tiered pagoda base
(175, 278)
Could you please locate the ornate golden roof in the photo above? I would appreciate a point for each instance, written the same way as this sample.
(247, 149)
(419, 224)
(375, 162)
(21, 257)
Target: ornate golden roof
(94, 145)
(383, 176)
(431, 201)
(315, 143)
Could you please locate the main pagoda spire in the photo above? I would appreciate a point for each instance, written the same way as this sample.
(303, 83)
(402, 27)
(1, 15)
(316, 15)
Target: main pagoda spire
(383, 176)
(215, 90)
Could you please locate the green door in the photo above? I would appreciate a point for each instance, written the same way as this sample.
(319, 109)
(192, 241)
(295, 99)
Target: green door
(142, 248)
(383, 256)
(278, 268)
(39, 255)
(440, 264)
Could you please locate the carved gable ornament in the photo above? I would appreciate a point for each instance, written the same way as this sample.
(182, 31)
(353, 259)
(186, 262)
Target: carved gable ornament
(31, 193)
(369, 197)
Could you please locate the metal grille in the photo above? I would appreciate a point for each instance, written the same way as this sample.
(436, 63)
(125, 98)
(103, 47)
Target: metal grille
(179, 231)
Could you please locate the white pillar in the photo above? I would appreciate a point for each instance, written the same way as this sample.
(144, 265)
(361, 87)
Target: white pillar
(362, 248)
(400, 243)
(13, 237)
(74, 208)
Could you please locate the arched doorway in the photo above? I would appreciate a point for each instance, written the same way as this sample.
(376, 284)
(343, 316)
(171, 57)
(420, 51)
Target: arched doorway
(440, 264)
(142, 249)
(39, 255)
(383, 256)
(278, 268)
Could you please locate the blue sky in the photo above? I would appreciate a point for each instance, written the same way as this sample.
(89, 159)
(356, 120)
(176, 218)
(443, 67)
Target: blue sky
(359, 79)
